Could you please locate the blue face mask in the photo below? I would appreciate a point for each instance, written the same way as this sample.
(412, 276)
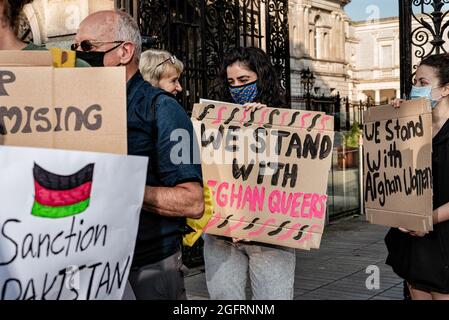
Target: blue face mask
(424, 92)
(244, 94)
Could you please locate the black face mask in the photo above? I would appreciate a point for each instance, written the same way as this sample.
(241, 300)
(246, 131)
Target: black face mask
(95, 58)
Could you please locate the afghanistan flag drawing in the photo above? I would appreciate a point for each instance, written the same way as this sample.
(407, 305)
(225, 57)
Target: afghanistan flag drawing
(58, 196)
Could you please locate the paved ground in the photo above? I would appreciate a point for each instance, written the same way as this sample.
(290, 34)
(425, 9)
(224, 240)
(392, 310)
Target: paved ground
(337, 270)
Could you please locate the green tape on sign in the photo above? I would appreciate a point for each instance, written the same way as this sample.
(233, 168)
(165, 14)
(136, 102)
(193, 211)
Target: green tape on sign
(40, 210)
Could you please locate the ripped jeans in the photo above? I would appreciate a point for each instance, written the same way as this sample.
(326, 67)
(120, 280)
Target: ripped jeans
(271, 270)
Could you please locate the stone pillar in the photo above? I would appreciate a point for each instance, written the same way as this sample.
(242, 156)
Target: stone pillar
(396, 48)
(343, 38)
(299, 34)
(398, 93)
(376, 62)
(377, 97)
(338, 37)
(307, 48)
(332, 36)
(319, 43)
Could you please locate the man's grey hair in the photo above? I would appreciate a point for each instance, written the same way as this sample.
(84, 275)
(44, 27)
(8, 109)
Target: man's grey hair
(128, 30)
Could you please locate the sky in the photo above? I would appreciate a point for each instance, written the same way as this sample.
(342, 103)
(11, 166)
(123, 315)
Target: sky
(361, 10)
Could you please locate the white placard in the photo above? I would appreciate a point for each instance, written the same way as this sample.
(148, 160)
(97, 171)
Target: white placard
(84, 255)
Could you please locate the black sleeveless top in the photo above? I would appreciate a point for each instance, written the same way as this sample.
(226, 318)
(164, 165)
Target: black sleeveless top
(424, 262)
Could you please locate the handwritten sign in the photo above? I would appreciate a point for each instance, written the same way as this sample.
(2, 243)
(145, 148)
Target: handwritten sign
(68, 223)
(268, 170)
(62, 108)
(398, 165)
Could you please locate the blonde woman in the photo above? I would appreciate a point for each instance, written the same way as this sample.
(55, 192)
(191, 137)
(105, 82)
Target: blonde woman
(162, 70)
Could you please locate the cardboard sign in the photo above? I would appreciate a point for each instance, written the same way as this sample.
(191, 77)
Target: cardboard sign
(398, 165)
(62, 108)
(68, 223)
(268, 171)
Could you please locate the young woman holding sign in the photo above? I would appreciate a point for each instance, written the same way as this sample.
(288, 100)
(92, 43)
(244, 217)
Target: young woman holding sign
(248, 78)
(422, 259)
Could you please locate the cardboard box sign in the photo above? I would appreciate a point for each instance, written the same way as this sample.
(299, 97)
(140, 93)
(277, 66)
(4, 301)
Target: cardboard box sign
(64, 108)
(398, 165)
(268, 172)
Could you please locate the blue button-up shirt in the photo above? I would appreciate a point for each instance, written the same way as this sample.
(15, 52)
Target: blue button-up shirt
(158, 236)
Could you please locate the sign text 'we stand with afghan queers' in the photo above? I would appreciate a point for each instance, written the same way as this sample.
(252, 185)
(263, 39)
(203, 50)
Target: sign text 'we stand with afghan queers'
(268, 171)
(398, 165)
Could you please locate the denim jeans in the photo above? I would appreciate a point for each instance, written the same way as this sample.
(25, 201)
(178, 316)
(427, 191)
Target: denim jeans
(271, 270)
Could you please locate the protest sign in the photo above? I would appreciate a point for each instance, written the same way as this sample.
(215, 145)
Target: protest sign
(62, 108)
(268, 171)
(68, 222)
(398, 165)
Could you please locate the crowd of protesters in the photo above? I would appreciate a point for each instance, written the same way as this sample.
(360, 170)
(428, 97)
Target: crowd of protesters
(174, 192)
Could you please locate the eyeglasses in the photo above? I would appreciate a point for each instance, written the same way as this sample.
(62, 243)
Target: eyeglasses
(172, 59)
(88, 45)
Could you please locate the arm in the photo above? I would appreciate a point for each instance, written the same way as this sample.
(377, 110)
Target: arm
(179, 192)
(183, 200)
(441, 214)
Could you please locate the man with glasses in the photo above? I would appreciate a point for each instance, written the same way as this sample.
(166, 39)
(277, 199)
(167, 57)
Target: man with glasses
(173, 191)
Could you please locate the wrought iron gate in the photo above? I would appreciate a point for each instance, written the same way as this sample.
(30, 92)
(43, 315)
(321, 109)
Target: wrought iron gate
(423, 31)
(198, 32)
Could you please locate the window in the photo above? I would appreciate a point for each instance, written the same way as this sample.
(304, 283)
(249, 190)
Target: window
(386, 57)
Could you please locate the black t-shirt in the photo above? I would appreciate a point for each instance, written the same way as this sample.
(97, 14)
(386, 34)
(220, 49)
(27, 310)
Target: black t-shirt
(440, 167)
(424, 262)
(158, 236)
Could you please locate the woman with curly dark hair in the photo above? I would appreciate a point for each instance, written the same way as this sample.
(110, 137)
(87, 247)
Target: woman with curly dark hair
(250, 70)
(10, 11)
(248, 78)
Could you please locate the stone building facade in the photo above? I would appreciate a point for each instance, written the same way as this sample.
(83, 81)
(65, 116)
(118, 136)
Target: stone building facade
(359, 60)
(56, 21)
(322, 39)
(377, 68)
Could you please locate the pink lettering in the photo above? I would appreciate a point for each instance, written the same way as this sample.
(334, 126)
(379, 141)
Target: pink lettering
(274, 201)
(262, 117)
(236, 196)
(220, 115)
(323, 122)
(248, 199)
(322, 201)
(295, 204)
(313, 205)
(253, 197)
(283, 118)
(212, 184)
(259, 198)
(222, 199)
(303, 123)
(244, 116)
(234, 227)
(286, 203)
(212, 222)
(305, 205)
